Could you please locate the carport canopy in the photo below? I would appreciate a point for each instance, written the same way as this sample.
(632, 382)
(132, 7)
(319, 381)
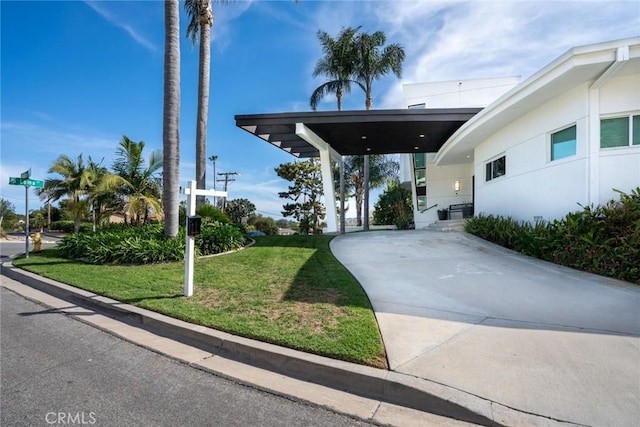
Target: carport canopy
(359, 132)
(331, 135)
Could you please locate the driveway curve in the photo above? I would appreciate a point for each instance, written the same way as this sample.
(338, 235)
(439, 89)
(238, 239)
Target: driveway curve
(530, 335)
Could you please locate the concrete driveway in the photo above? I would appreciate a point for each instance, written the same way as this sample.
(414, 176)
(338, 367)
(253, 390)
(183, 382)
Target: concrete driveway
(524, 333)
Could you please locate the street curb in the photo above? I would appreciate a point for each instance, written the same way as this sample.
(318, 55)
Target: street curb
(387, 386)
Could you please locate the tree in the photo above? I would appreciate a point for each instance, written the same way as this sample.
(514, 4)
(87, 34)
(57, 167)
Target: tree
(337, 64)
(305, 192)
(171, 119)
(263, 223)
(79, 183)
(374, 61)
(138, 182)
(382, 169)
(394, 206)
(238, 209)
(5, 208)
(199, 30)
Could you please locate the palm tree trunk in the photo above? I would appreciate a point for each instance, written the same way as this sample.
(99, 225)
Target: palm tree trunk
(365, 215)
(206, 20)
(171, 118)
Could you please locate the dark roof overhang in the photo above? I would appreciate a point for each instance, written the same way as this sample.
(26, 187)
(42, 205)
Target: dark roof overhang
(360, 132)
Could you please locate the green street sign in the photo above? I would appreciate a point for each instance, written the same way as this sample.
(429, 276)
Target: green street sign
(26, 182)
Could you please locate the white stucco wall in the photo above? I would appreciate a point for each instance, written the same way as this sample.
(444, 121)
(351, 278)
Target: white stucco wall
(535, 186)
(440, 190)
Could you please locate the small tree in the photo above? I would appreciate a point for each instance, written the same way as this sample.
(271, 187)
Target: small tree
(394, 207)
(305, 193)
(6, 207)
(264, 223)
(238, 209)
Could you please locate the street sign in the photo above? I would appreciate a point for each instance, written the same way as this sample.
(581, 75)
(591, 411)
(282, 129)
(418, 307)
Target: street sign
(26, 182)
(26, 174)
(33, 183)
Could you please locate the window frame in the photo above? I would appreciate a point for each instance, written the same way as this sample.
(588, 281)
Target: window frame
(633, 135)
(551, 142)
(490, 168)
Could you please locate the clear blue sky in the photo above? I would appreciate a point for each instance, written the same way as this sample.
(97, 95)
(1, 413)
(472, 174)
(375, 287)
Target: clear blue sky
(77, 75)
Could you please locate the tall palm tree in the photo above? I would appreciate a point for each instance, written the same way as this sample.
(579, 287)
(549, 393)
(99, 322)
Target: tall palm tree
(79, 183)
(199, 29)
(338, 65)
(171, 118)
(375, 60)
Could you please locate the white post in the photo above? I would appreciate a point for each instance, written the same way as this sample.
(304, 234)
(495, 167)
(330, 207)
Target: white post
(189, 243)
(189, 251)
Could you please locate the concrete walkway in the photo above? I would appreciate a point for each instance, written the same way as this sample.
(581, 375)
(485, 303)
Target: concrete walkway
(529, 335)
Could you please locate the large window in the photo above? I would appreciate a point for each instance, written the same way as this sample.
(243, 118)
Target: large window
(496, 168)
(563, 143)
(620, 131)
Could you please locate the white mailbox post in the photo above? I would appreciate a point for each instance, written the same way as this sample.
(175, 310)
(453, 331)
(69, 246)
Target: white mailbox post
(192, 192)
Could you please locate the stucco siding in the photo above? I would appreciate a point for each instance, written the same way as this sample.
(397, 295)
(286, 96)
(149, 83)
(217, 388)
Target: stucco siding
(535, 186)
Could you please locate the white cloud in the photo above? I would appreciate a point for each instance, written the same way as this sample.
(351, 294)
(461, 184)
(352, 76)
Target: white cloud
(128, 28)
(455, 40)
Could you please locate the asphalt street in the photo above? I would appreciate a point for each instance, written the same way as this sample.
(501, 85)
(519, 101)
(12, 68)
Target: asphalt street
(56, 370)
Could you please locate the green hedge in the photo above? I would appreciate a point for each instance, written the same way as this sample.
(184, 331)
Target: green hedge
(603, 240)
(127, 244)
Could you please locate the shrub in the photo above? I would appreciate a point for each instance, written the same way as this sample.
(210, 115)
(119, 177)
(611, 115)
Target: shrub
(216, 237)
(66, 226)
(394, 207)
(127, 244)
(213, 213)
(603, 240)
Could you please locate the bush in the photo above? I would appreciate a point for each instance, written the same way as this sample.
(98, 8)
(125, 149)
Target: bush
(394, 207)
(216, 237)
(603, 240)
(66, 226)
(128, 244)
(213, 213)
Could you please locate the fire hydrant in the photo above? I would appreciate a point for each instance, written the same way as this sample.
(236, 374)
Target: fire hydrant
(37, 242)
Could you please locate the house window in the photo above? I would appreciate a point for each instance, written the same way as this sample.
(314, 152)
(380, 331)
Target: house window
(563, 143)
(421, 177)
(496, 168)
(422, 203)
(419, 160)
(620, 131)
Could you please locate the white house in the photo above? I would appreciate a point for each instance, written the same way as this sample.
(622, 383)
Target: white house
(567, 136)
(537, 149)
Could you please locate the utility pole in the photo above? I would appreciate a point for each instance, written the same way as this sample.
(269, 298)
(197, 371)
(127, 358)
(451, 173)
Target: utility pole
(226, 181)
(213, 159)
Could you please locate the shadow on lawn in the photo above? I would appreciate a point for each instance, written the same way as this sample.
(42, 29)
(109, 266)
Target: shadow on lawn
(322, 279)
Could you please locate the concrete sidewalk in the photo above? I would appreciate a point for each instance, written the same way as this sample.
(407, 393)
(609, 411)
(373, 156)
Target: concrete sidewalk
(532, 336)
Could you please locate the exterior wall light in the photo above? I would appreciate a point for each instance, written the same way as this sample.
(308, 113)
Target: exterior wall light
(456, 185)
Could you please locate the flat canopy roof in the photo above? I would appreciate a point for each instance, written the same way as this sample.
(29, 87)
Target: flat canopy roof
(360, 132)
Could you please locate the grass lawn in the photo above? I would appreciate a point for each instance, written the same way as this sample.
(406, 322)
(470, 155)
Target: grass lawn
(286, 290)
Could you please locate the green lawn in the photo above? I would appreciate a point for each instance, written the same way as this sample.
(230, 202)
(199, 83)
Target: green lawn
(286, 290)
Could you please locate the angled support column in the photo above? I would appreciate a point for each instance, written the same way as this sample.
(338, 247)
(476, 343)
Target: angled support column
(327, 153)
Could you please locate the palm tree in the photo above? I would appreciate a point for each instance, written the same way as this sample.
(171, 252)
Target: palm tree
(138, 183)
(171, 118)
(374, 61)
(79, 183)
(199, 29)
(382, 170)
(337, 64)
